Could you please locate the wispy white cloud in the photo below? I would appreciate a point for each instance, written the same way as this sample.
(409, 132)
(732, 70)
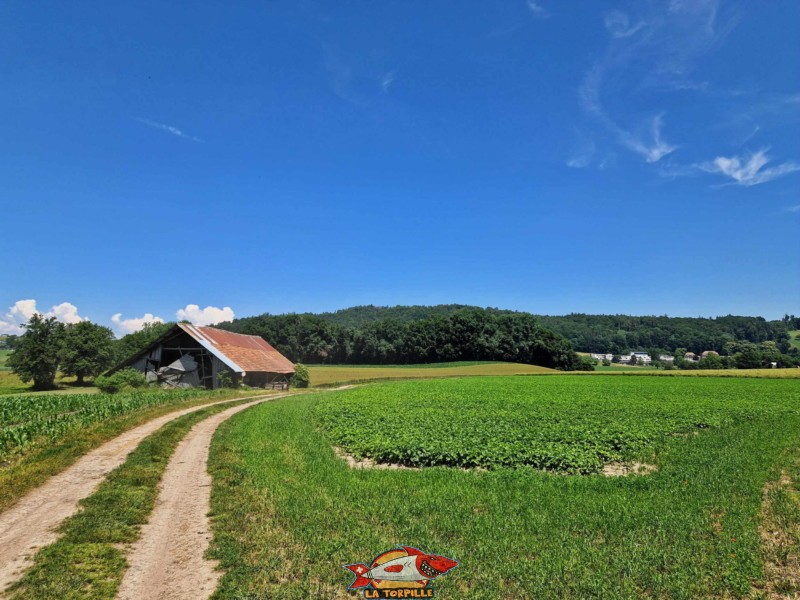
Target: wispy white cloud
(619, 24)
(132, 325)
(583, 152)
(537, 10)
(22, 310)
(793, 209)
(167, 128)
(653, 149)
(650, 144)
(654, 50)
(749, 170)
(204, 316)
(387, 81)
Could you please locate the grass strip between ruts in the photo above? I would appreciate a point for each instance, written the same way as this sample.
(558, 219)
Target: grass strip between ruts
(88, 561)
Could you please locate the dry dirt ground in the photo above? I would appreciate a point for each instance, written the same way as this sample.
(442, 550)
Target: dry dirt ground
(168, 560)
(30, 524)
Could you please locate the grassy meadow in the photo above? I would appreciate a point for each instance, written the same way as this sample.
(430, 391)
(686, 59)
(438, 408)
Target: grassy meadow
(688, 530)
(326, 375)
(11, 384)
(329, 375)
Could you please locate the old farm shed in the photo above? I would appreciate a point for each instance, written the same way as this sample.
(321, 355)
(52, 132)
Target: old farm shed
(190, 356)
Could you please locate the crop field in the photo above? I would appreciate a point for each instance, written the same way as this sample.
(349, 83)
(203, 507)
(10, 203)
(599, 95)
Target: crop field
(41, 434)
(689, 529)
(561, 424)
(26, 420)
(790, 373)
(323, 375)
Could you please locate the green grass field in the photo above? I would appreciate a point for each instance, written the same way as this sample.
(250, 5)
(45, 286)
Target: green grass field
(329, 375)
(617, 367)
(689, 530)
(3, 358)
(326, 375)
(11, 384)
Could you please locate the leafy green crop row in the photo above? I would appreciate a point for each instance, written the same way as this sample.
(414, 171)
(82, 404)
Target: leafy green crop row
(27, 419)
(565, 423)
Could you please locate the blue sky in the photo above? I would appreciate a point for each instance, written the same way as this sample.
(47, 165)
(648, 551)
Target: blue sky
(602, 157)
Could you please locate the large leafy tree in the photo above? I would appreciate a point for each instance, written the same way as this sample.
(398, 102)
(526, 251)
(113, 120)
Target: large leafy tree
(37, 351)
(87, 351)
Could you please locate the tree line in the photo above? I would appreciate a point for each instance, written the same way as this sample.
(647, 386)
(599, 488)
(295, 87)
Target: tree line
(420, 334)
(618, 334)
(615, 334)
(81, 350)
(464, 334)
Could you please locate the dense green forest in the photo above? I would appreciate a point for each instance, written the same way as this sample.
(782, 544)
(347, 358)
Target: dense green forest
(457, 335)
(453, 332)
(606, 333)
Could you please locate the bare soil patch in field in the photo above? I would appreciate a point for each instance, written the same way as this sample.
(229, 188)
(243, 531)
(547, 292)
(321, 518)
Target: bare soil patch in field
(620, 469)
(368, 463)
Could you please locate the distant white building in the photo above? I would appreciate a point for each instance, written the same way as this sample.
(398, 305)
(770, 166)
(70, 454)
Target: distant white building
(690, 356)
(642, 357)
(602, 357)
(666, 358)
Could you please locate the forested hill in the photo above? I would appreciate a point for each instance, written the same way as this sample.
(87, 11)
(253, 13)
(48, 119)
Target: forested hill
(602, 333)
(358, 316)
(452, 332)
(465, 334)
(621, 333)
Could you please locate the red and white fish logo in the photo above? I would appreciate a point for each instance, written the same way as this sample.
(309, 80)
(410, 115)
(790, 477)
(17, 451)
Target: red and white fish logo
(400, 568)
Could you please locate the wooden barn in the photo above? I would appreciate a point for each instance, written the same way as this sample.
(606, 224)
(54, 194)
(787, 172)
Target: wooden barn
(192, 356)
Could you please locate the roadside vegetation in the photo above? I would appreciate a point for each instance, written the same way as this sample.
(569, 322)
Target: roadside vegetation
(88, 561)
(42, 434)
(26, 421)
(690, 529)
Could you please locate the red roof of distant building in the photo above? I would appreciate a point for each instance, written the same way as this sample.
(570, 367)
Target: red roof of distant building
(250, 352)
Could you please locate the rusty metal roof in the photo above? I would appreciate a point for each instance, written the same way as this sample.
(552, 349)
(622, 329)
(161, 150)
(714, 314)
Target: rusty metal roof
(248, 352)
